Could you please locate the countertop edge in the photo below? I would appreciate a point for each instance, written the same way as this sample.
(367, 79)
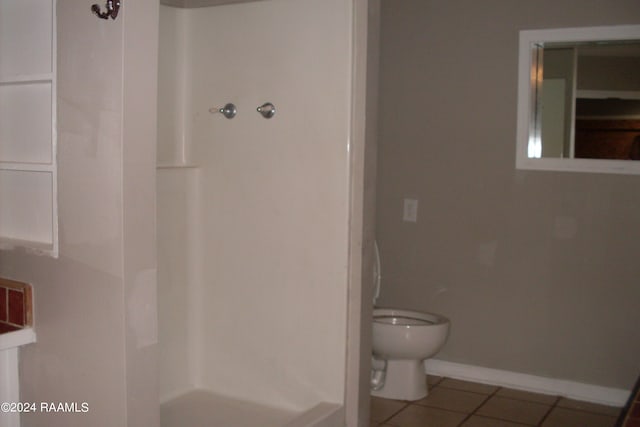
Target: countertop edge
(17, 338)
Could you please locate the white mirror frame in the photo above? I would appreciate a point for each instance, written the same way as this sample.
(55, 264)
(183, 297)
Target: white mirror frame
(529, 41)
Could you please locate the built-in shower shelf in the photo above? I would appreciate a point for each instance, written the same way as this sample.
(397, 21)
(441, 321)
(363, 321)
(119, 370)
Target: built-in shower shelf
(33, 167)
(28, 138)
(32, 246)
(26, 79)
(176, 166)
(28, 217)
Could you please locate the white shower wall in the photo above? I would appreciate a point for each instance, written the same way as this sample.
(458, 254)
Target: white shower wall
(177, 279)
(253, 240)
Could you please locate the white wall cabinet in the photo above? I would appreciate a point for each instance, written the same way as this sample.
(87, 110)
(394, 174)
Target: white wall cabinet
(28, 187)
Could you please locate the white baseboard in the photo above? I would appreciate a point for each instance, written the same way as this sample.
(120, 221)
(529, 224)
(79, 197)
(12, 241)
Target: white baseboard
(571, 389)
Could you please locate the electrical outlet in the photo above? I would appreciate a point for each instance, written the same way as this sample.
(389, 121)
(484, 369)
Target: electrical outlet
(410, 213)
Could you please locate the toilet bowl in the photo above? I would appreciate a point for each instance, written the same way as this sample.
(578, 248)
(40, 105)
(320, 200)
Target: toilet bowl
(402, 340)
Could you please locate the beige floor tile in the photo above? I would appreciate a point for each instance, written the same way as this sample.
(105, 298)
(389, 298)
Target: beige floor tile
(478, 421)
(453, 400)
(382, 409)
(467, 386)
(547, 399)
(589, 407)
(563, 417)
(518, 411)
(421, 416)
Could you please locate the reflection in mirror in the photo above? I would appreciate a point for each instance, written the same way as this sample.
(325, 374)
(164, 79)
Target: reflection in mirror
(579, 99)
(598, 83)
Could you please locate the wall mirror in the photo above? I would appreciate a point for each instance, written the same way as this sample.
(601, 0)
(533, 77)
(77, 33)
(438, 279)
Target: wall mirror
(579, 100)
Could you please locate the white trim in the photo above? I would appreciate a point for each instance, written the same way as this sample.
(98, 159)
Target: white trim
(529, 42)
(533, 383)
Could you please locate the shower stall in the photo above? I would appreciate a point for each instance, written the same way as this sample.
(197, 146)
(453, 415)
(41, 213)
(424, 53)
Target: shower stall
(254, 212)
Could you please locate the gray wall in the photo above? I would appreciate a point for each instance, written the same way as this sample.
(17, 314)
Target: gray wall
(538, 271)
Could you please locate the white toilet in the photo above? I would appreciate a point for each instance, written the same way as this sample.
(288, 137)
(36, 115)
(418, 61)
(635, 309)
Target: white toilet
(402, 340)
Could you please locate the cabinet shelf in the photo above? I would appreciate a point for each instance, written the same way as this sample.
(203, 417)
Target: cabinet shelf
(28, 106)
(26, 79)
(39, 248)
(27, 167)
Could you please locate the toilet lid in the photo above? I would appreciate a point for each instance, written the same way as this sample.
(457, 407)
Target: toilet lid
(376, 272)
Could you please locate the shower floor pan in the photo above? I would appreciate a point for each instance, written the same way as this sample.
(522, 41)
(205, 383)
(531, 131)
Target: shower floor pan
(202, 408)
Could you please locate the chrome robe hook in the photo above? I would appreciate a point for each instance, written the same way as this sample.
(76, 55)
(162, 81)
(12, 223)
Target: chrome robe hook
(113, 6)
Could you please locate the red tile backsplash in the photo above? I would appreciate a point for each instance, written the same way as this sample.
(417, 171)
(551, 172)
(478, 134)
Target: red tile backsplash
(631, 413)
(632, 422)
(635, 410)
(15, 305)
(5, 327)
(3, 304)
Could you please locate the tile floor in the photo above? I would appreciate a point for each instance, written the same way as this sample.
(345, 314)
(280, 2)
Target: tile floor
(456, 403)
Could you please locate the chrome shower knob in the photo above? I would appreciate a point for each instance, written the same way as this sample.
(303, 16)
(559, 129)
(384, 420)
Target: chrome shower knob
(267, 110)
(229, 110)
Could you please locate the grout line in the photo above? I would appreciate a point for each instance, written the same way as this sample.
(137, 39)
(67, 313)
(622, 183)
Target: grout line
(489, 417)
(406, 405)
(465, 419)
(535, 402)
(435, 384)
(587, 411)
(551, 408)
(488, 397)
(472, 413)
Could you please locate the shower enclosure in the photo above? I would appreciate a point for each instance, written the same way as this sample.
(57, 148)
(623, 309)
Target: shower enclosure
(253, 212)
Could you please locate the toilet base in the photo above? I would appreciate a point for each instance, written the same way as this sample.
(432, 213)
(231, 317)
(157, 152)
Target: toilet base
(404, 380)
